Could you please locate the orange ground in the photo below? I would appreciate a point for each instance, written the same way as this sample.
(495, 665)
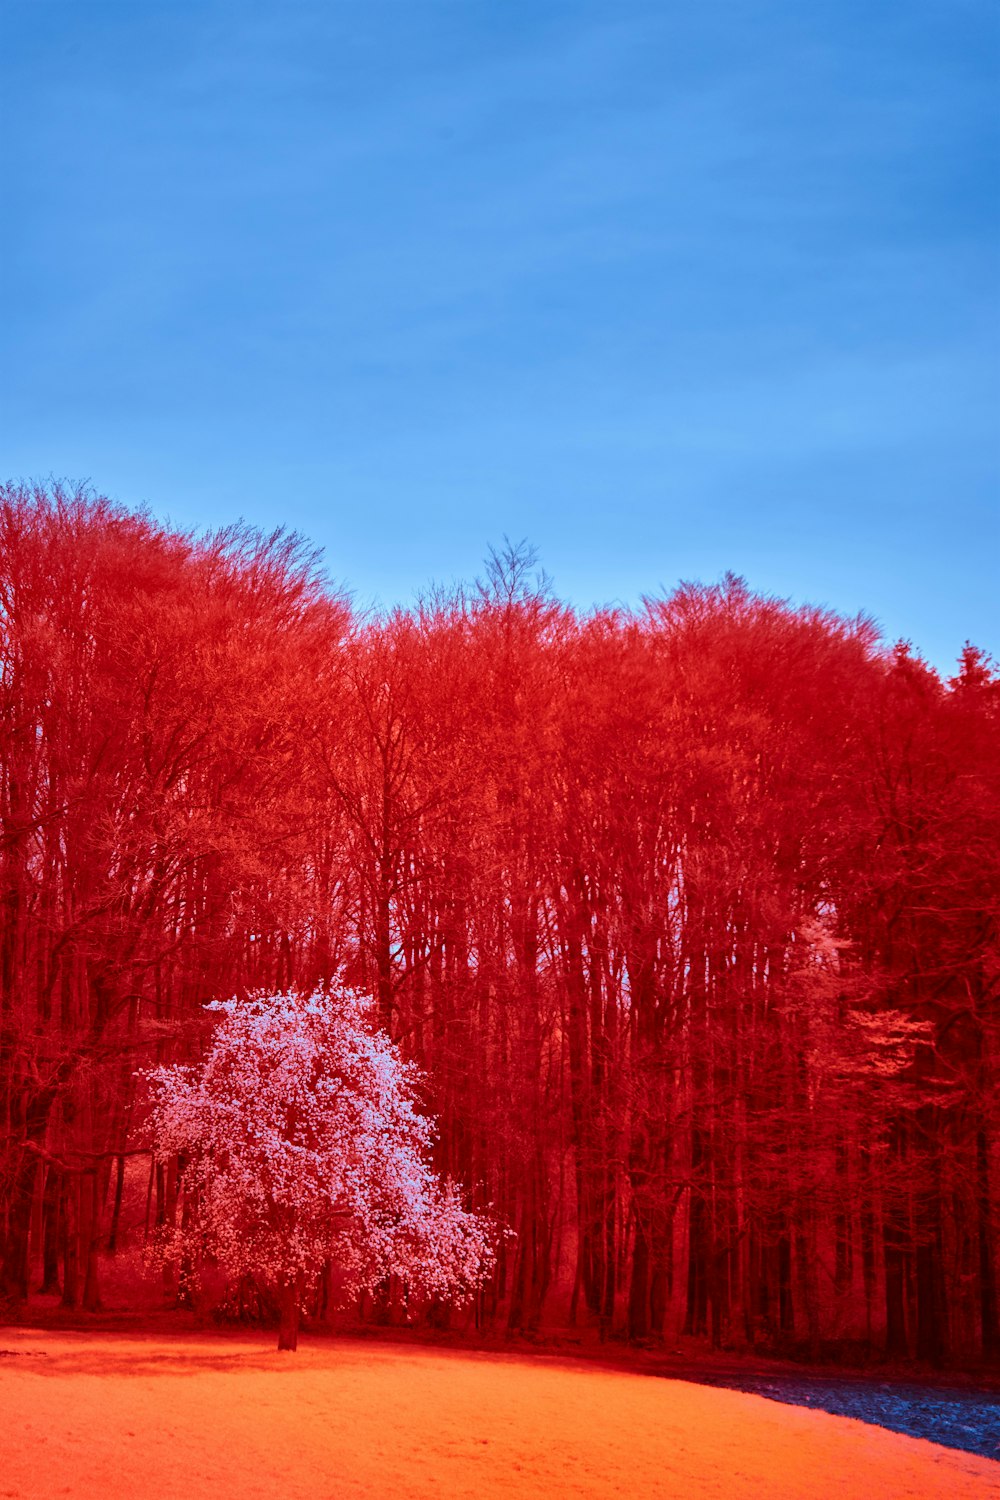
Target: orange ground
(120, 1416)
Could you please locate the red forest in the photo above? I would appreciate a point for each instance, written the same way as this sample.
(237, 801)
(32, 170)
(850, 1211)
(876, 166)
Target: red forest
(689, 917)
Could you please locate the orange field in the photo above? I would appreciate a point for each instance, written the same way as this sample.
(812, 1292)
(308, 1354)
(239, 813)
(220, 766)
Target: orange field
(177, 1419)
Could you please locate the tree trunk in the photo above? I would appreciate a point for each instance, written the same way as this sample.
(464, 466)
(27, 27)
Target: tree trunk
(69, 1224)
(895, 1314)
(639, 1285)
(51, 1214)
(989, 1321)
(289, 1300)
(90, 1242)
(117, 1209)
(894, 1253)
(14, 1265)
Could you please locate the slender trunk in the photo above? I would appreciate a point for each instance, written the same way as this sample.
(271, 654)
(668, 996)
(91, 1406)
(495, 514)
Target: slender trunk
(786, 1307)
(117, 1208)
(289, 1301)
(167, 1215)
(989, 1321)
(698, 1250)
(90, 1231)
(895, 1300)
(51, 1215)
(14, 1266)
(894, 1253)
(69, 1220)
(639, 1286)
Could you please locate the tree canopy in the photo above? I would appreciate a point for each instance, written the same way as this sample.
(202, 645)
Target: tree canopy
(687, 914)
(301, 1144)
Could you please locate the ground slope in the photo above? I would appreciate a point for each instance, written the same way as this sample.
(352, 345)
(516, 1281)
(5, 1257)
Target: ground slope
(180, 1419)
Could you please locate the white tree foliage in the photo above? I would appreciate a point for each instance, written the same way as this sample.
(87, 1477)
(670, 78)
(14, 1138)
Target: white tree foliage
(301, 1143)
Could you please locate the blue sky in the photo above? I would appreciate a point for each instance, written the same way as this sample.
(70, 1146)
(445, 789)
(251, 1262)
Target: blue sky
(667, 289)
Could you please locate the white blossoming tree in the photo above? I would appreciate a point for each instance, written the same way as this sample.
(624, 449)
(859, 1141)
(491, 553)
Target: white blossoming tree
(301, 1144)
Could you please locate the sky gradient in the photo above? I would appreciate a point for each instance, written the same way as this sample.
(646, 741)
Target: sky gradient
(666, 289)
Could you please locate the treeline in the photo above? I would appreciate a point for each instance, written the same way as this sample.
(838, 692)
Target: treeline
(689, 915)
